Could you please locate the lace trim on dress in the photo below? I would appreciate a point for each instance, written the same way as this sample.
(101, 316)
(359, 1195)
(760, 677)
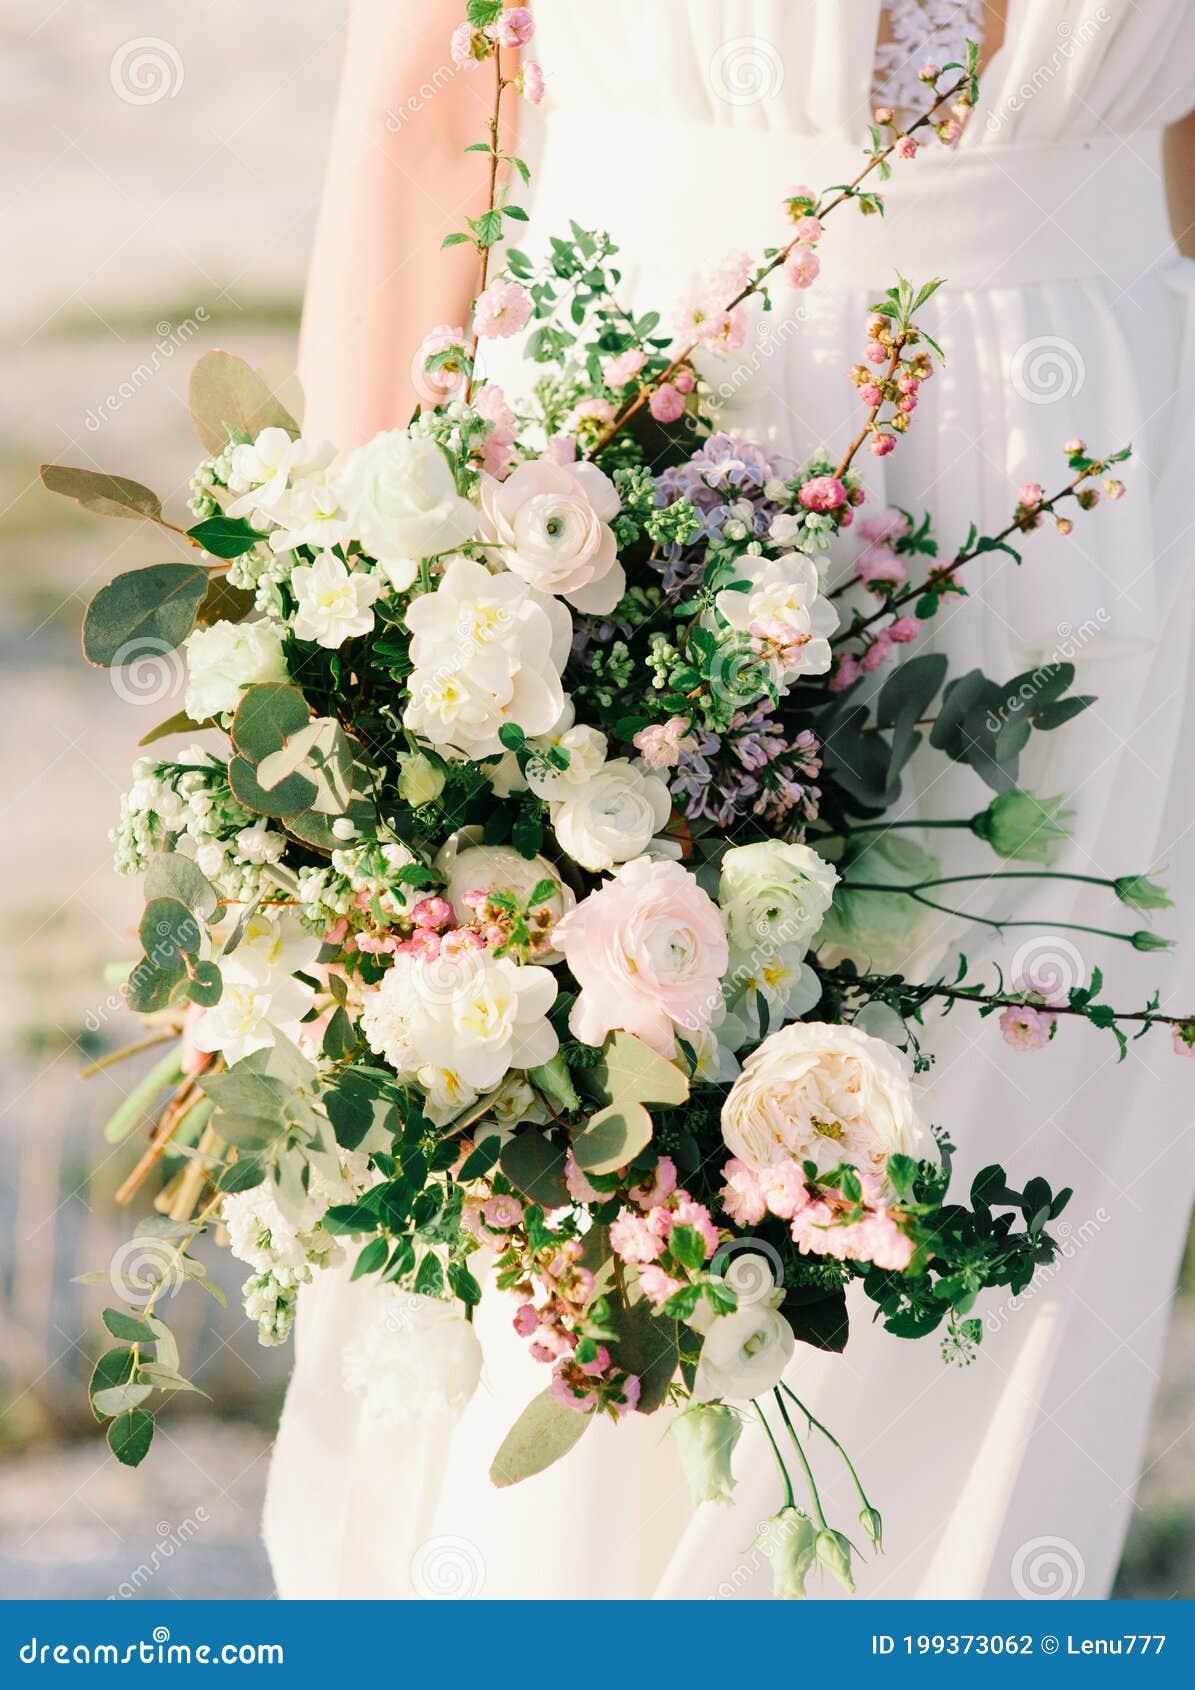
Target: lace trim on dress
(919, 30)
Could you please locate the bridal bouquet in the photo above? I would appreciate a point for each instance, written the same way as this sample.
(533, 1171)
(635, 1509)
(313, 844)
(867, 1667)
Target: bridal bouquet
(530, 914)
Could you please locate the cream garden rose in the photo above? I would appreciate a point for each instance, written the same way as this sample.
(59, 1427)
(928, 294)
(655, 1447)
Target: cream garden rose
(552, 524)
(225, 659)
(823, 1093)
(774, 898)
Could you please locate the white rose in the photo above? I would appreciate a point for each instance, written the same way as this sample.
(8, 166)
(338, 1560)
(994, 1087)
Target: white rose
(402, 502)
(822, 1093)
(613, 816)
(774, 897)
(744, 1354)
(334, 603)
(227, 657)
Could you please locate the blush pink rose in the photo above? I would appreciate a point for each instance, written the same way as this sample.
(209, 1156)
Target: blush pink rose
(552, 522)
(648, 950)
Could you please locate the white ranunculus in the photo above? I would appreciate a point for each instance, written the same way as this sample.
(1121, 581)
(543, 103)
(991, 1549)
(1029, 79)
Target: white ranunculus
(485, 652)
(586, 751)
(784, 610)
(823, 1093)
(613, 816)
(552, 524)
(774, 897)
(227, 657)
(261, 471)
(402, 502)
(744, 1354)
(334, 603)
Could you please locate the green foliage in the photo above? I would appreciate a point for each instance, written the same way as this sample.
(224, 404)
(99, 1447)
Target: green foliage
(144, 611)
(231, 401)
(544, 1432)
(104, 495)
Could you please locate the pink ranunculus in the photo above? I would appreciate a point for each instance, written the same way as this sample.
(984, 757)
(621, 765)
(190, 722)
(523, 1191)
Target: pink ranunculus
(531, 82)
(802, 266)
(667, 403)
(552, 522)
(822, 493)
(618, 371)
(648, 950)
(501, 310)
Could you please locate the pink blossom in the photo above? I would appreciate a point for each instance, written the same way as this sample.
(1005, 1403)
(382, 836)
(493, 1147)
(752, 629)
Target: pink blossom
(631, 1389)
(656, 1285)
(594, 410)
(871, 394)
(879, 651)
(879, 563)
(498, 452)
(802, 266)
(683, 379)
(882, 444)
(808, 231)
(846, 673)
(883, 114)
(742, 1195)
(1031, 494)
(501, 310)
(526, 1320)
(435, 386)
(888, 524)
(1074, 447)
(823, 493)
(662, 743)
(661, 1187)
(1183, 1038)
(531, 83)
(632, 1238)
(565, 1393)
(502, 1213)
(906, 147)
(1026, 1028)
(458, 941)
(423, 943)
(904, 630)
(489, 402)
(468, 46)
(1115, 489)
(929, 72)
(907, 404)
(471, 1220)
(562, 450)
(783, 1187)
(875, 352)
(731, 274)
(666, 403)
(595, 1368)
(579, 1188)
(949, 132)
(618, 371)
(514, 28)
(648, 950)
(1064, 525)
(690, 1213)
(432, 912)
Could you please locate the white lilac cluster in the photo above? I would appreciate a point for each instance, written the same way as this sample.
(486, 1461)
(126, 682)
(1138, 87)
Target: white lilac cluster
(186, 805)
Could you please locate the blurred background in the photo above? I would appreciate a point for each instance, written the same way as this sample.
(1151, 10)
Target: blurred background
(164, 170)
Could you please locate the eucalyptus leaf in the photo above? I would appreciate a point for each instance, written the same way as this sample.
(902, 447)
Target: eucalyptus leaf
(229, 399)
(543, 1433)
(143, 613)
(106, 495)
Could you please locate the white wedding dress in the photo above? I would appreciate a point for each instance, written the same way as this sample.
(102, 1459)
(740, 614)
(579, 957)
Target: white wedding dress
(680, 126)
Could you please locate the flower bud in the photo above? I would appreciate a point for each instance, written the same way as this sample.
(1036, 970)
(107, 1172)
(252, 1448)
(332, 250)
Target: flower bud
(787, 1539)
(1144, 941)
(873, 1525)
(1141, 893)
(833, 1551)
(420, 780)
(1018, 824)
(705, 1436)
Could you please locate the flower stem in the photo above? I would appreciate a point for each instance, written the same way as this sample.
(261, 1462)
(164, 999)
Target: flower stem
(789, 1494)
(814, 1498)
(827, 1433)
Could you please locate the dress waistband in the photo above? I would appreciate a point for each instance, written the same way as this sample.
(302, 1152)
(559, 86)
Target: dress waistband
(983, 216)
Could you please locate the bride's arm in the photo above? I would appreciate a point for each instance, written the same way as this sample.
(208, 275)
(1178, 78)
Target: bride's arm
(1179, 154)
(397, 181)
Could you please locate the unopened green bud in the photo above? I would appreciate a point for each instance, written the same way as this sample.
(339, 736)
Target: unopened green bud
(834, 1552)
(1144, 941)
(420, 781)
(787, 1539)
(1140, 893)
(869, 1519)
(705, 1436)
(1016, 824)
